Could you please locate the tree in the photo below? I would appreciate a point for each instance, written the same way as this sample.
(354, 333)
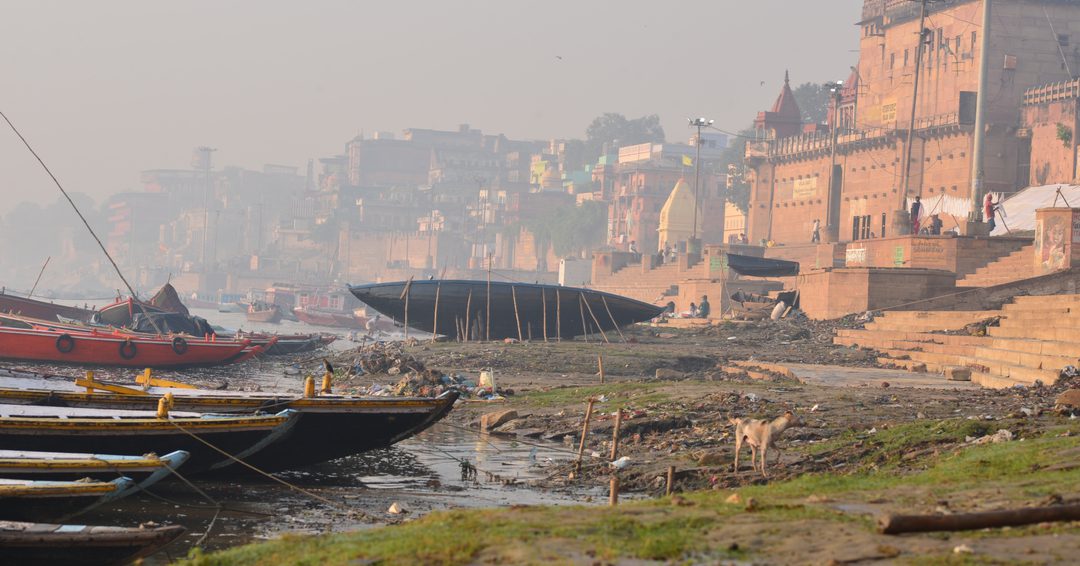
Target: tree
(612, 127)
(813, 100)
(739, 193)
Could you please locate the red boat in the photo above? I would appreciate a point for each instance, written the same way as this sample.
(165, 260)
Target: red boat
(93, 347)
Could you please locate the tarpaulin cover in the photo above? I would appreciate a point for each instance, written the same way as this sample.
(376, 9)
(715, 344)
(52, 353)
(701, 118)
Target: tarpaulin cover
(761, 267)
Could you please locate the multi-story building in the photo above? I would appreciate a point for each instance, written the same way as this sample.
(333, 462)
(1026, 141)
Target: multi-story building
(860, 187)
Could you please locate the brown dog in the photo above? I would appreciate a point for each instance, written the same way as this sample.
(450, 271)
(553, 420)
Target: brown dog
(761, 434)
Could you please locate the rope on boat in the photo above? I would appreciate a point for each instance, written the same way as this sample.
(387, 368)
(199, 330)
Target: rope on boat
(268, 475)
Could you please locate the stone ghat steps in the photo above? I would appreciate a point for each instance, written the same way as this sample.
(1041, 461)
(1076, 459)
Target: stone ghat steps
(1035, 340)
(993, 249)
(1013, 267)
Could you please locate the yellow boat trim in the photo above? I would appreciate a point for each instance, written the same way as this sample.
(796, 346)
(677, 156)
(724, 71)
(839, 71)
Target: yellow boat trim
(89, 488)
(88, 464)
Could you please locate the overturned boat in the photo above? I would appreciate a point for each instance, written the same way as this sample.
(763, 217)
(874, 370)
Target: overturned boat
(498, 310)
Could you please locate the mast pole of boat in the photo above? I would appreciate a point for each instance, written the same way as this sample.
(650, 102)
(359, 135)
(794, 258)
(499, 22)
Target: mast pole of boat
(558, 316)
(38, 280)
(435, 321)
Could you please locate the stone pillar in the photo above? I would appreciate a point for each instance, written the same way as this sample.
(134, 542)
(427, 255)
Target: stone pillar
(1057, 239)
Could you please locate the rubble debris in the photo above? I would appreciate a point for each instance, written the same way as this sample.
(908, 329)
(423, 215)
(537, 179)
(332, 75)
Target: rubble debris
(1002, 435)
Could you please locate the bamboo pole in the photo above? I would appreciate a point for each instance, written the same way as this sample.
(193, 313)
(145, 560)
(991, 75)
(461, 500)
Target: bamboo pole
(543, 301)
(593, 315)
(558, 317)
(615, 436)
(584, 433)
(517, 317)
(670, 480)
(408, 291)
(897, 524)
(584, 324)
(435, 322)
(612, 317)
(613, 498)
(600, 362)
(468, 310)
(487, 310)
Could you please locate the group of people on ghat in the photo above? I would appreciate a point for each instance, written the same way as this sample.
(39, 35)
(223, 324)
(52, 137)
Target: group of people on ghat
(931, 228)
(696, 310)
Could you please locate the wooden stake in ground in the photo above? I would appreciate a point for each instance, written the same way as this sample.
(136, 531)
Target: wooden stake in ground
(897, 524)
(487, 310)
(407, 292)
(593, 315)
(613, 499)
(435, 322)
(584, 324)
(615, 436)
(670, 480)
(517, 317)
(600, 362)
(584, 434)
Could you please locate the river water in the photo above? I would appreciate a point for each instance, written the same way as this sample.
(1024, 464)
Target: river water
(421, 474)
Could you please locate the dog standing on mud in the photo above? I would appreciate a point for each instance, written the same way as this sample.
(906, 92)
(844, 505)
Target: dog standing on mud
(760, 434)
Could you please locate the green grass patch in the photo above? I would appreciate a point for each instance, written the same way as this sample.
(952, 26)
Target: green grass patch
(619, 395)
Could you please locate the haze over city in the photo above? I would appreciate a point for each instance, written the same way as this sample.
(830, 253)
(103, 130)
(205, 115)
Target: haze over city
(104, 90)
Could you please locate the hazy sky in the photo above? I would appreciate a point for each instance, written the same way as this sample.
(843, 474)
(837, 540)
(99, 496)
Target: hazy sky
(106, 89)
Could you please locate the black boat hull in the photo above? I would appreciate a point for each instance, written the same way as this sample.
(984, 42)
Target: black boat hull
(517, 310)
(32, 543)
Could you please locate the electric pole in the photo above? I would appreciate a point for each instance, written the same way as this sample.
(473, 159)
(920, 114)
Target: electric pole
(903, 220)
(698, 123)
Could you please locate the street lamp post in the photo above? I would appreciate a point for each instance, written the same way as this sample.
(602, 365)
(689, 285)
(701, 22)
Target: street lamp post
(698, 123)
(832, 220)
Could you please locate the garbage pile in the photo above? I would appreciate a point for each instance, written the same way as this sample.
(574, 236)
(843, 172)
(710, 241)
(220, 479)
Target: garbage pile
(417, 380)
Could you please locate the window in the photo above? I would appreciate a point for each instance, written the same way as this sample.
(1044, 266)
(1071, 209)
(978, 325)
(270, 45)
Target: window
(1063, 39)
(892, 60)
(974, 39)
(905, 57)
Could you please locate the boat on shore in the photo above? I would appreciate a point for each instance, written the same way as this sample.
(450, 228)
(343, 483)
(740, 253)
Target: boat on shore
(35, 500)
(34, 308)
(146, 470)
(328, 427)
(110, 431)
(517, 310)
(70, 344)
(80, 545)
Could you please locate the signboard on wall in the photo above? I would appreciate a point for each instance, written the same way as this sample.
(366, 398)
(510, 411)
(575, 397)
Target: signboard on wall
(804, 188)
(888, 112)
(855, 256)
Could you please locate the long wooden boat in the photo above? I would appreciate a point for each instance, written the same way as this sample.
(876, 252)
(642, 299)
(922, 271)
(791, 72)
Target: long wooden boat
(94, 346)
(109, 431)
(329, 427)
(80, 545)
(41, 309)
(517, 310)
(267, 314)
(147, 469)
(34, 500)
(331, 319)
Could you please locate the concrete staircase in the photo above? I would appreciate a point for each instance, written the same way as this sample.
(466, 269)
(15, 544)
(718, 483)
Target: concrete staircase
(1013, 267)
(1035, 340)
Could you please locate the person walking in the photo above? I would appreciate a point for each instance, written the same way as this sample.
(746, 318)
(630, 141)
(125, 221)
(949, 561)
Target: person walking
(815, 231)
(916, 209)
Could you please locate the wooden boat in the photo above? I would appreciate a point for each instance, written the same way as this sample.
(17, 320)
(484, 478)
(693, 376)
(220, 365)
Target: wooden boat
(32, 500)
(80, 545)
(93, 346)
(107, 431)
(41, 309)
(268, 314)
(146, 470)
(331, 319)
(329, 427)
(517, 310)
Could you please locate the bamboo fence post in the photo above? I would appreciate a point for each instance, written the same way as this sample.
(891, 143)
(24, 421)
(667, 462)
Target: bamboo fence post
(517, 317)
(615, 436)
(600, 362)
(435, 322)
(670, 480)
(584, 433)
(543, 300)
(612, 317)
(593, 315)
(613, 499)
(408, 288)
(584, 324)
(558, 317)
(468, 310)
(487, 310)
